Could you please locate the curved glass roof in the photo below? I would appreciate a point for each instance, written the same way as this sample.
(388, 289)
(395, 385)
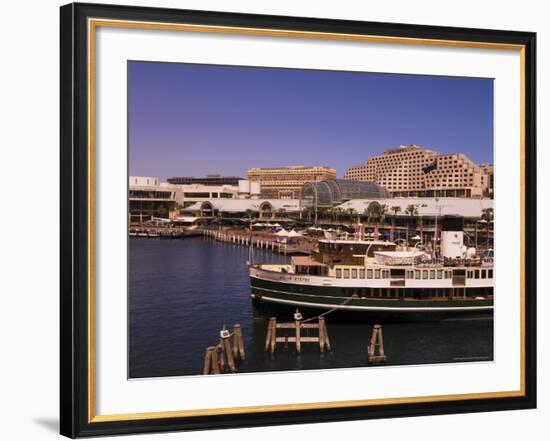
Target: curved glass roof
(331, 192)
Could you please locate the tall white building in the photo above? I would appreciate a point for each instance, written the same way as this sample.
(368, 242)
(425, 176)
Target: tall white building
(411, 171)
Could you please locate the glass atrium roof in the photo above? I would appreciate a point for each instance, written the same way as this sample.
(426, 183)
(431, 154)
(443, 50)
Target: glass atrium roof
(331, 192)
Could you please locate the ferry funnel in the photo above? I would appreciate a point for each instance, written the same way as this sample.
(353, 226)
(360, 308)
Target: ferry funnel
(452, 237)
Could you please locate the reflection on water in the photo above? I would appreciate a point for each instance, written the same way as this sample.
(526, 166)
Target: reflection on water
(181, 292)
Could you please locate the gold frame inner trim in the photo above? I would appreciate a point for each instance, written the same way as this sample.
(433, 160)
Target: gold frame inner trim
(92, 25)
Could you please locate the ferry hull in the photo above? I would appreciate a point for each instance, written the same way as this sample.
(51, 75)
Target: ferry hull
(280, 298)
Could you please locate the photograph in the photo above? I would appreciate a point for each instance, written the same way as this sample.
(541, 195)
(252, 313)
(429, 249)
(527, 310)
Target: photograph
(284, 219)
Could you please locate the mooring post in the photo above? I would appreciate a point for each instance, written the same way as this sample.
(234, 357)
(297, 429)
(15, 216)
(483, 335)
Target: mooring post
(215, 361)
(208, 360)
(372, 344)
(323, 335)
(298, 325)
(376, 340)
(226, 347)
(270, 328)
(381, 343)
(273, 335)
(238, 345)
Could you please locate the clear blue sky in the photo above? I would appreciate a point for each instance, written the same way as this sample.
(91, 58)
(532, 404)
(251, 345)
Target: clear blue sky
(192, 120)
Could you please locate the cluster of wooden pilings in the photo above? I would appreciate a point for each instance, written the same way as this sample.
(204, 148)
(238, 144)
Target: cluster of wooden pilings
(246, 240)
(376, 347)
(272, 337)
(223, 357)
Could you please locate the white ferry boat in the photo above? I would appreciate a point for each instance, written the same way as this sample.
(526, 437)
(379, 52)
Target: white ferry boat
(379, 279)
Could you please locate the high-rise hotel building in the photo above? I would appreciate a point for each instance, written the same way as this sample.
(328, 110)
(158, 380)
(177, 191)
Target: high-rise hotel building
(415, 171)
(286, 182)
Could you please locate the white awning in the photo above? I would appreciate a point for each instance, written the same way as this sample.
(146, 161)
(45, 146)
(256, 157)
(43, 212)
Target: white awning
(186, 219)
(294, 233)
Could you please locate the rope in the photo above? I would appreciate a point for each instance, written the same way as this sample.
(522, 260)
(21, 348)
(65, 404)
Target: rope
(345, 302)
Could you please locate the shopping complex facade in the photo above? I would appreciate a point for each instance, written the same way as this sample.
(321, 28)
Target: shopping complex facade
(404, 181)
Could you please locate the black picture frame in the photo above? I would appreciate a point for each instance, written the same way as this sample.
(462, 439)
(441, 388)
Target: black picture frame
(76, 417)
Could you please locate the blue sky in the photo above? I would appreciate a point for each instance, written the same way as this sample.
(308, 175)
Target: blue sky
(193, 120)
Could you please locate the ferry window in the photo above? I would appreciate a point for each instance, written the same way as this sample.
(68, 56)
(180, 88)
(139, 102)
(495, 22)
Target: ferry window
(346, 273)
(483, 274)
(387, 274)
(448, 274)
(354, 274)
(469, 274)
(424, 274)
(476, 274)
(490, 274)
(439, 274)
(361, 273)
(338, 273)
(369, 274)
(432, 274)
(417, 274)
(377, 274)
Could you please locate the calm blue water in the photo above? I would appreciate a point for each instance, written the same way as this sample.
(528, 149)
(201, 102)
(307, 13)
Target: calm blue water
(183, 291)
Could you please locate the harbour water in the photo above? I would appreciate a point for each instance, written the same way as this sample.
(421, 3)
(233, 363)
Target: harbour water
(181, 292)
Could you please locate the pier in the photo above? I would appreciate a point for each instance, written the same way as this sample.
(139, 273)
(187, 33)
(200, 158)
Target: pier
(260, 241)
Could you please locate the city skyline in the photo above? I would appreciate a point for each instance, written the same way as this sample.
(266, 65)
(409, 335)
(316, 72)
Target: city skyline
(195, 120)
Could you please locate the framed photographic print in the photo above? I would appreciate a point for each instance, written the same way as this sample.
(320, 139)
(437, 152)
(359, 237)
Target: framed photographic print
(273, 220)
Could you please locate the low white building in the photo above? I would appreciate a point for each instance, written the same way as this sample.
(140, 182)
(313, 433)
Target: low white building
(265, 208)
(425, 207)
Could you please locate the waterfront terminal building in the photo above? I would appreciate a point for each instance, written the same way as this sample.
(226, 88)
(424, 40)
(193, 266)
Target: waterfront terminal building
(148, 197)
(287, 182)
(413, 171)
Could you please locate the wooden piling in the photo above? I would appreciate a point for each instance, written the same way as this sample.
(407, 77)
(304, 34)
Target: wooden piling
(226, 349)
(273, 336)
(215, 362)
(297, 324)
(324, 341)
(208, 360)
(270, 331)
(321, 336)
(376, 342)
(238, 345)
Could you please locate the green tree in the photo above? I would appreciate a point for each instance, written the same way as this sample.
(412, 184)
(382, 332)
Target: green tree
(412, 212)
(396, 209)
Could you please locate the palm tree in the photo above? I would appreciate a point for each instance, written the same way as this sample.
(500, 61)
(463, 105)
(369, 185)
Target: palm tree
(487, 214)
(412, 211)
(383, 212)
(352, 212)
(366, 213)
(373, 211)
(396, 209)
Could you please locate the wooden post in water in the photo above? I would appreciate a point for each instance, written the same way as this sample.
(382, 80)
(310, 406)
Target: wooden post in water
(211, 361)
(271, 335)
(324, 341)
(298, 325)
(215, 362)
(208, 360)
(226, 349)
(376, 340)
(238, 345)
